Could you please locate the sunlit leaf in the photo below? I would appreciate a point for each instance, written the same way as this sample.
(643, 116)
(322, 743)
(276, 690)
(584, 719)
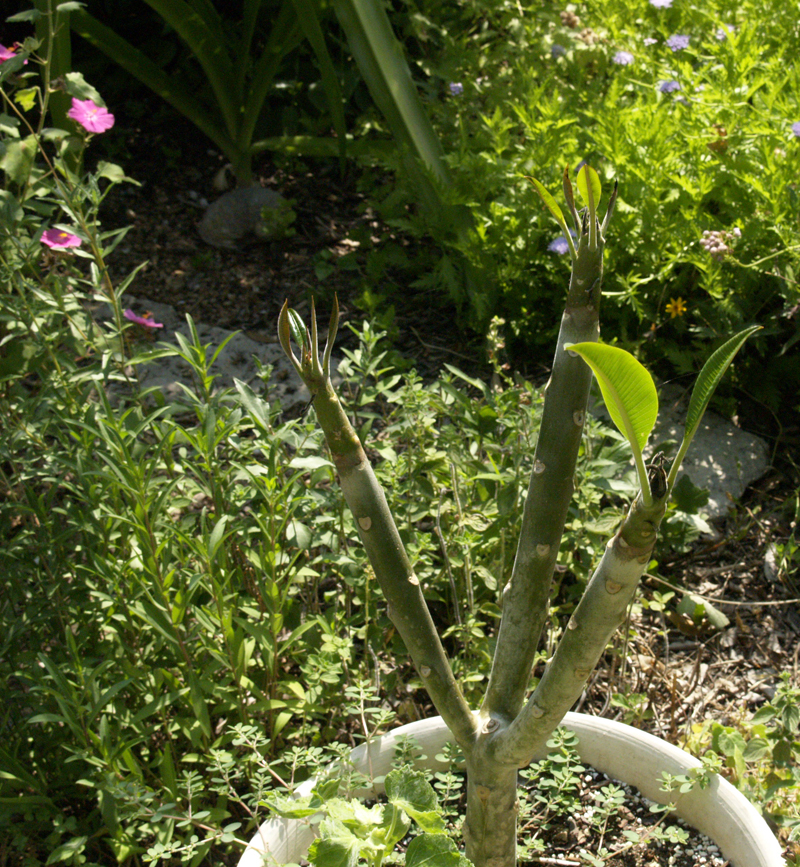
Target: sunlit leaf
(588, 176)
(709, 378)
(549, 201)
(628, 389)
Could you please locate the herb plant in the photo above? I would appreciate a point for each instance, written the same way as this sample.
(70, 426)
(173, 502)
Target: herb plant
(510, 728)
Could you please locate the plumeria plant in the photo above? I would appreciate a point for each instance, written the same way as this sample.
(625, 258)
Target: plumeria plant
(512, 726)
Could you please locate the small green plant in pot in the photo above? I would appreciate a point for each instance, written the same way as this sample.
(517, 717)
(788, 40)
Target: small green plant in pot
(510, 728)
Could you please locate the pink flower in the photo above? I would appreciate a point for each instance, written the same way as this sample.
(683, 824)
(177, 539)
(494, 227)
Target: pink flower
(141, 320)
(7, 54)
(57, 239)
(93, 118)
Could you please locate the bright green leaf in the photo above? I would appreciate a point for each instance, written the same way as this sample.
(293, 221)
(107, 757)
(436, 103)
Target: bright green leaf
(434, 850)
(335, 847)
(76, 85)
(549, 201)
(410, 791)
(26, 98)
(628, 389)
(587, 176)
(709, 378)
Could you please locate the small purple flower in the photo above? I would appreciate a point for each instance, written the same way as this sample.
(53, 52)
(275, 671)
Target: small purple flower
(558, 51)
(650, 41)
(623, 58)
(669, 86)
(661, 4)
(678, 43)
(141, 320)
(560, 244)
(456, 88)
(796, 129)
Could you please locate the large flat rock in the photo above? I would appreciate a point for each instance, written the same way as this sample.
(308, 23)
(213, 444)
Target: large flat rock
(236, 361)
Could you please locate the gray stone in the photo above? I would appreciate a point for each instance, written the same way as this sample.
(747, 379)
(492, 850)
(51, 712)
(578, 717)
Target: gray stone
(238, 213)
(236, 361)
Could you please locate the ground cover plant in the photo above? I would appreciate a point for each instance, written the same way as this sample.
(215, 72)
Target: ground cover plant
(137, 627)
(163, 593)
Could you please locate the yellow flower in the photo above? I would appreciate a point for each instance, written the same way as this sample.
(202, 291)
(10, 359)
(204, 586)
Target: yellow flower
(676, 307)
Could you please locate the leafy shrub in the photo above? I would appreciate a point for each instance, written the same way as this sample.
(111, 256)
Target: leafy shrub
(702, 134)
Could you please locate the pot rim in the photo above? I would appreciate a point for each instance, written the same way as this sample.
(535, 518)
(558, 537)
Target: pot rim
(620, 751)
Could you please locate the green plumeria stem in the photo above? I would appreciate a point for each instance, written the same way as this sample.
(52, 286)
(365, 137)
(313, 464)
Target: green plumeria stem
(406, 605)
(603, 607)
(526, 596)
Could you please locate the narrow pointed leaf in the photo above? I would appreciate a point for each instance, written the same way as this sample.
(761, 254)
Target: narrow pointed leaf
(298, 329)
(628, 389)
(709, 378)
(587, 175)
(549, 201)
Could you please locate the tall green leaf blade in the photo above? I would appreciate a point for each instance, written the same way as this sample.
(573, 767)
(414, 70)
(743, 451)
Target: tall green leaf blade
(203, 32)
(309, 21)
(381, 61)
(166, 86)
(710, 376)
(628, 389)
(707, 382)
(587, 176)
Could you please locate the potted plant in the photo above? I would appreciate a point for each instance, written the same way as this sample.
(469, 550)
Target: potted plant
(511, 728)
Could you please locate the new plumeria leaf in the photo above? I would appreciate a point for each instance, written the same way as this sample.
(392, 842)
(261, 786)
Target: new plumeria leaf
(587, 177)
(710, 376)
(298, 329)
(434, 850)
(408, 790)
(628, 389)
(549, 201)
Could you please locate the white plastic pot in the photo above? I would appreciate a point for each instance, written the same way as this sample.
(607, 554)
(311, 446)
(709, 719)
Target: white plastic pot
(623, 753)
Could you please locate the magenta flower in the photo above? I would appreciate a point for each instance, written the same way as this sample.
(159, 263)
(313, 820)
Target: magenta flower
(7, 54)
(623, 58)
(668, 86)
(57, 239)
(678, 43)
(92, 117)
(141, 320)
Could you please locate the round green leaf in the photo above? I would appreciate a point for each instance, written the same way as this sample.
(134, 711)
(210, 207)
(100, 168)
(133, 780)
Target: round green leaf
(628, 389)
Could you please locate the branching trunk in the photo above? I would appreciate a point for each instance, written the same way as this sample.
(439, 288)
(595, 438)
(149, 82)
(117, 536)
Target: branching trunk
(505, 735)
